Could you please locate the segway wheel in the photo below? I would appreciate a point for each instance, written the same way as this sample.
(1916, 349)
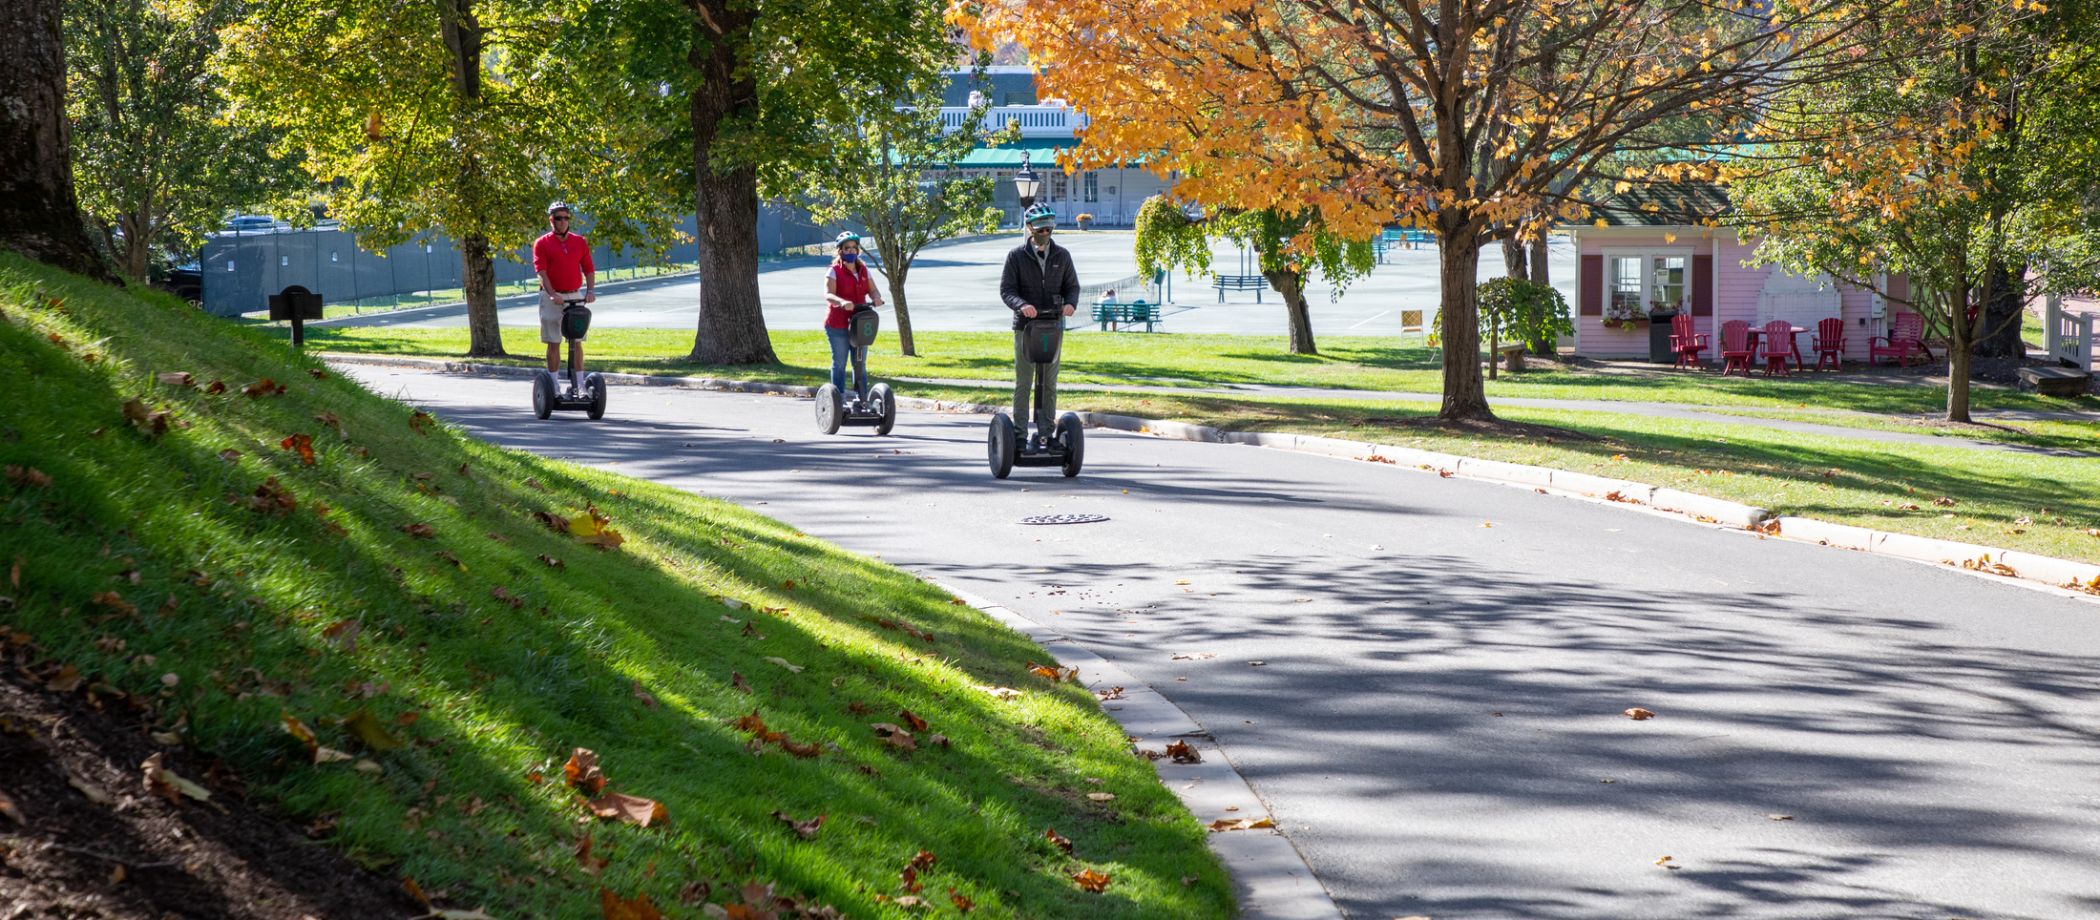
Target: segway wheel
(594, 387)
(1073, 438)
(885, 406)
(831, 409)
(1001, 445)
(543, 395)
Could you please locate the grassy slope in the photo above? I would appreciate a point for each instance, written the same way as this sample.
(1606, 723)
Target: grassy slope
(1203, 360)
(237, 607)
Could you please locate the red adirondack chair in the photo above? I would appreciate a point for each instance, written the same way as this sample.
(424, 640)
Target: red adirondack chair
(1906, 338)
(1830, 343)
(1687, 345)
(1736, 350)
(1779, 346)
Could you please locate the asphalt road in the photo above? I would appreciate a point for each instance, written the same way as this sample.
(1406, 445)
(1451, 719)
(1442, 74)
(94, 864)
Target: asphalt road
(1425, 677)
(955, 287)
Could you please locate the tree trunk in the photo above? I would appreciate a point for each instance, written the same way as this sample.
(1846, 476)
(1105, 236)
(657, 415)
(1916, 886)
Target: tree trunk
(477, 278)
(1514, 262)
(1959, 343)
(1292, 286)
(1539, 274)
(1465, 397)
(731, 328)
(39, 213)
(2000, 335)
(894, 274)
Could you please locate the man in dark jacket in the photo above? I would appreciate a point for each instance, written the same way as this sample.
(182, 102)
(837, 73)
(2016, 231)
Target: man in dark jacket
(1038, 281)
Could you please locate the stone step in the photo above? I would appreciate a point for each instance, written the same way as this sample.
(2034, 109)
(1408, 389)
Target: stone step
(2055, 381)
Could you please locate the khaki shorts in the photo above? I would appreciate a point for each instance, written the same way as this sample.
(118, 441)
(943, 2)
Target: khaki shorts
(551, 306)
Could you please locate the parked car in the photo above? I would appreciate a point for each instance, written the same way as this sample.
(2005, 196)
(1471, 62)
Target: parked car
(254, 223)
(185, 281)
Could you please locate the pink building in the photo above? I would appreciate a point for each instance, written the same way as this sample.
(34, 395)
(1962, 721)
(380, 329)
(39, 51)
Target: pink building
(1651, 253)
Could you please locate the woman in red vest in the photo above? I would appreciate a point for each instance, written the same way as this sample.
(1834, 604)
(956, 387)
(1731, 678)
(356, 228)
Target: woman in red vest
(847, 287)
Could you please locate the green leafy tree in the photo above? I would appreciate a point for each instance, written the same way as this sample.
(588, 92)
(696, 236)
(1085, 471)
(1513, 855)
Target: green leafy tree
(887, 170)
(1946, 165)
(755, 83)
(1290, 247)
(154, 161)
(458, 115)
(1527, 311)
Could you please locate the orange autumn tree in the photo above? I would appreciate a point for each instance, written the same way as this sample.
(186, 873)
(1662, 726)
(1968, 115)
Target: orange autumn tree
(1475, 120)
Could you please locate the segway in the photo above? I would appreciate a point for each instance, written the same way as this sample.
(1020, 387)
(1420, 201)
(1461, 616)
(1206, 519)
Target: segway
(565, 393)
(871, 406)
(1065, 448)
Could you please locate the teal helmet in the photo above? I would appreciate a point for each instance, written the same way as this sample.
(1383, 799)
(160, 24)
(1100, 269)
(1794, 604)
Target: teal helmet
(844, 237)
(1039, 214)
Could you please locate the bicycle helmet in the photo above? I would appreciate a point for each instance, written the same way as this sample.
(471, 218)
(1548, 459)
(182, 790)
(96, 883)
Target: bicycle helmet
(1038, 215)
(558, 205)
(844, 237)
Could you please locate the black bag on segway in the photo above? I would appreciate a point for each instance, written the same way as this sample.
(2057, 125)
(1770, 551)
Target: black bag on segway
(1045, 333)
(863, 325)
(575, 321)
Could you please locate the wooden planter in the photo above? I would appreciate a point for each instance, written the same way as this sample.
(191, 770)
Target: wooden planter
(1626, 324)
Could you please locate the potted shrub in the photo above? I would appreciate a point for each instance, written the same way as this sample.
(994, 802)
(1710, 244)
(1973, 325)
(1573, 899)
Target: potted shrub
(1084, 220)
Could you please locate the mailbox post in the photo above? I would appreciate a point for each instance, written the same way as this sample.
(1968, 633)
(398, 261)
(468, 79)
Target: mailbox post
(297, 304)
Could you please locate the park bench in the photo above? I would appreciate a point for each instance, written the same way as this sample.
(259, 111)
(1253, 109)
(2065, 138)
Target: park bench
(1512, 356)
(1223, 283)
(1112, 314)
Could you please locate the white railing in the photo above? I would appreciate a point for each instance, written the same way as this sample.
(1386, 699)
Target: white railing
(1054, 121)
(2069, 334)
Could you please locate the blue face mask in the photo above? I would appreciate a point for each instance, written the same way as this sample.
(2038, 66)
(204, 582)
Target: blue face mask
(849, 257)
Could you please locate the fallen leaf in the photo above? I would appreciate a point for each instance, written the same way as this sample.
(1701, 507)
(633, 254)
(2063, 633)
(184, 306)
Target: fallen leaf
(632, 809)
(28, 476)
(1241, 824)
(317, 373)
(1112, 693)
(1101, 796)
(737, 681)
(582, 771)
(165, 783)
(910, 719)
(420, 422)
(643, 695)
(1182, 753)
(1058, 840)
(368, 730)
(331, 420)
(638, 907)
(263, 387)
(962, 902)
(1665, 862)
(66, 680)
(230, 455)
(807, 830)
(419, 531)
(1089, 880)
(302, 444)
(94, 793)
(1638, 714)
(796, 668)
(216, 387)
(1781, 817)
(150, 422)
(503, 594)
(551, 562)
(10, 811)
(894, 735)
(591, 865)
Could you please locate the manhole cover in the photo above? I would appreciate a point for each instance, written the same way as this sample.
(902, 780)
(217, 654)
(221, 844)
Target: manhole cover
(1065, 519)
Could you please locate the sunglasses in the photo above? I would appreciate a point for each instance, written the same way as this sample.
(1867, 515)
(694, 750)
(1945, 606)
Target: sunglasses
(1041, 229)
(561, 217)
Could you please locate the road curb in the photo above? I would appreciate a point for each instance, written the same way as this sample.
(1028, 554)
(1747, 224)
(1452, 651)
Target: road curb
(2047, 573)
(1272, 879)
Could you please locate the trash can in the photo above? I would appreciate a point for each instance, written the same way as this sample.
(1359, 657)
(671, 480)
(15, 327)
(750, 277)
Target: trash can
(1659, 338)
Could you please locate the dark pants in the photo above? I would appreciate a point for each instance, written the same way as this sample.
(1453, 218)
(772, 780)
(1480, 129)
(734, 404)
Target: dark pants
(1024, 379)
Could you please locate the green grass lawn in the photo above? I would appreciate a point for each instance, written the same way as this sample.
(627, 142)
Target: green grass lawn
(1360, 363)
(399, 597)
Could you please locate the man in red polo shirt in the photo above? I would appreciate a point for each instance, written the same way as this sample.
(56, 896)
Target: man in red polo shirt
(563, 262)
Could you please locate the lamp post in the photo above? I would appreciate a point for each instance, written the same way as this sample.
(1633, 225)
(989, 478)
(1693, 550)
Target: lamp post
(1026, 184)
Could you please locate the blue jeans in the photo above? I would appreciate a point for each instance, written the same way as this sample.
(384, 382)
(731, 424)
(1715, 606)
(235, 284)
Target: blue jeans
(842, 349)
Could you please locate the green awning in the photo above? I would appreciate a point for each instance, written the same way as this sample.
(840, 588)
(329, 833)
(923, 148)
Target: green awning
(1039, 154)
